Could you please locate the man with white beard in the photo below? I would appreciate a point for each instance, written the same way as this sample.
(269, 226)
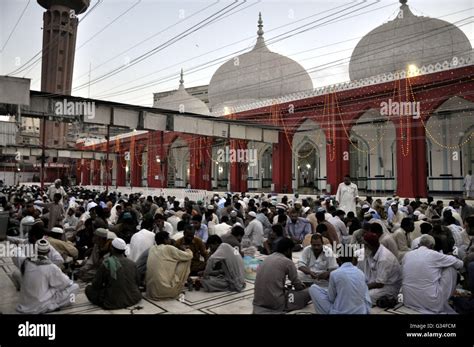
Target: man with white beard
(347, 195)
(429, 278)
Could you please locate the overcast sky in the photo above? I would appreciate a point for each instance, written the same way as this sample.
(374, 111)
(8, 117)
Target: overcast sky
(108, 33)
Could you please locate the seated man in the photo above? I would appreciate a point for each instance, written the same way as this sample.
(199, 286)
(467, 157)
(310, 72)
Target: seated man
(402, 237)
(116, 282)
(142, 240)
(36, 233)
(347, 292)
(167, 268)
(297, 228)
(274, 236)
(200, 229)
(429, 278)
(316, 262)
(99, 251)
(224, 269)
(254, 231)
(221, 228)
(270, 293)
(65, 248)
(190, 241)
(234, 238)
(44, 287)
(385, 238)
(381, 268)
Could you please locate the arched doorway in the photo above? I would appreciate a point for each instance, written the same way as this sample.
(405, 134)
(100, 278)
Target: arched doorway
(359, 161)
(309, 157)
(449, 145)
(178, 164)
(220, 168)
(307, 165)
(372, 154)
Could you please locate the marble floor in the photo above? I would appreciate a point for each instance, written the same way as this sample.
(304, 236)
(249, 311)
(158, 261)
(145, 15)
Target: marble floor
(191, 302)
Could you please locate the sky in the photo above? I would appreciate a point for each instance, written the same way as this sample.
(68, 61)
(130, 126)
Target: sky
(112, 34)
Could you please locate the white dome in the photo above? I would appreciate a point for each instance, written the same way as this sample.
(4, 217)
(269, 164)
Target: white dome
(182, 101)
(256, 75)
(406, 40)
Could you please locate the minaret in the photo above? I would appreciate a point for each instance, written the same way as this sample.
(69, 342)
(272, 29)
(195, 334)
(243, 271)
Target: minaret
(181, 80)
(260, 40)
(59, 45)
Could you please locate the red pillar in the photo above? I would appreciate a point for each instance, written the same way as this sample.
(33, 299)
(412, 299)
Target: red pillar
(153, 164)
(337, 157)
(200, 163)
(282, 163)
(421, 170)
(120, 162)
(135, 161)
(238, 170)
(96, 172)
(411, 153)
(86, 172)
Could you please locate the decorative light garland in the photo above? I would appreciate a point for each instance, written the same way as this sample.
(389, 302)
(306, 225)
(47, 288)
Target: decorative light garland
(432, 137)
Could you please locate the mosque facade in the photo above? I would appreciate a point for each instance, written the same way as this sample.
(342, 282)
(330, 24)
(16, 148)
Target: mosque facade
(403, 123)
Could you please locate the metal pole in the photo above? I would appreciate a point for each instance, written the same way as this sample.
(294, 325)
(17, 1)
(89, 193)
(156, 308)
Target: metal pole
(43, 125)
(107, 161)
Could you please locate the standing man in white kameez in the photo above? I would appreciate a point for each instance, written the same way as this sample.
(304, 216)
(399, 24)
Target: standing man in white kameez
(347, 195)
(429, 278)
(44, 287)
(468, 184)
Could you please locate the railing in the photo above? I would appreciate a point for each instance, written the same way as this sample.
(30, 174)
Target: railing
(377, 184)
(445, 183)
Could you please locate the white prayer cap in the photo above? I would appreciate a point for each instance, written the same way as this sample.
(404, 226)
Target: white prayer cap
(233, 213)
(210, 207)
(28, 220)
(57, 181)
(306, 209)
(57, 230)
(252, 214)
(42, 246)
(416, 213)
(394, 203)
(119, 244)
(142, 196)
(90, 205)
(298, 202)
(421, 216)
(366, 206)
(246, 200)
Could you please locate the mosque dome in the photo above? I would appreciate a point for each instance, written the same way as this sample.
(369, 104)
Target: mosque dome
(182, 101)
(407, 40)
(256, 75)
